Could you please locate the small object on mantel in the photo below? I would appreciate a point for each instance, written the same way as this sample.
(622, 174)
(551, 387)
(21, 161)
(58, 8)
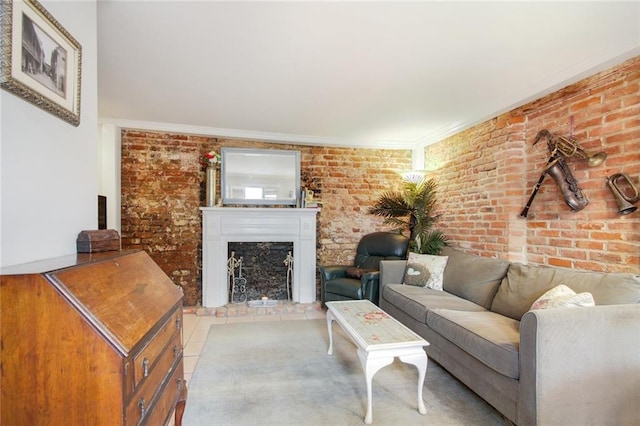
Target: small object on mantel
(98, 240)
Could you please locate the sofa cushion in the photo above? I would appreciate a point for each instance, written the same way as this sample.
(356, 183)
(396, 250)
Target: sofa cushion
(606, 288)
(417, 301)
(491, 338)
(425, 270)
(474, 278)
(524, 284)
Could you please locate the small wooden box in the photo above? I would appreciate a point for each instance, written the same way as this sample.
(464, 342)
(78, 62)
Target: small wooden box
(98, 240)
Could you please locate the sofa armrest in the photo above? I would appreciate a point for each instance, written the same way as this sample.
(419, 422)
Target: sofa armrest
(580, 366)
(391, 272)
(333, 271)
(370, 285)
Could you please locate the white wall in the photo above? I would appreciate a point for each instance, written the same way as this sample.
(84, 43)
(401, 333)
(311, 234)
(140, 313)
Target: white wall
(109, 155)
(49, 168)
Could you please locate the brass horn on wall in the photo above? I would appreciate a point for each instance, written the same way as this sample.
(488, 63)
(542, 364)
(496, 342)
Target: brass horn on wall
(624, 191)
(569, 147)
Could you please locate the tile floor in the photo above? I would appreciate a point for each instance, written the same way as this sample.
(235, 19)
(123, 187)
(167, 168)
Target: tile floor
(196, 327)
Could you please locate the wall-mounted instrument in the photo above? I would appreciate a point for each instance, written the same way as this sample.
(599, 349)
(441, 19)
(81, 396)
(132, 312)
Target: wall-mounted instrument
(624, 191)
(561, 148)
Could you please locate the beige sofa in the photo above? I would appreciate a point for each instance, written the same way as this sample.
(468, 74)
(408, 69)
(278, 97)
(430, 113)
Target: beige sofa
(561, 366)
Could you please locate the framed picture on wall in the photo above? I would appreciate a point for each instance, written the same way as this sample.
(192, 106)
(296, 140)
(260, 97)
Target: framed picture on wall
(39, 60)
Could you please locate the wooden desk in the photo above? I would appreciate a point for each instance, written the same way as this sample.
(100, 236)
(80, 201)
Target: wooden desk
(91, 339)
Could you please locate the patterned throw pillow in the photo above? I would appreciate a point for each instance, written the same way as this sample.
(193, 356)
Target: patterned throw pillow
(562, 296)
(425, 270)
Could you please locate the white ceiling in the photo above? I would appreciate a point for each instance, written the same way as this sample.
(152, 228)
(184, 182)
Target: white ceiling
(369, 74)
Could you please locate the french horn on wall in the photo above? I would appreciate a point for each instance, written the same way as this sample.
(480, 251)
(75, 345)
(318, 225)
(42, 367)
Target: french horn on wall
(624, 191)
(569, 147)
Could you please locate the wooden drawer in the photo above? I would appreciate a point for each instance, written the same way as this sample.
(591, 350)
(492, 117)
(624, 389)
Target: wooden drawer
(153, 386)
(166, 402)
(145, 361)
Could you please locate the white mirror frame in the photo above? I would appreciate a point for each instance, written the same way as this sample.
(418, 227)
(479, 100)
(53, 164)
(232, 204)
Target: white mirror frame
(273, 174)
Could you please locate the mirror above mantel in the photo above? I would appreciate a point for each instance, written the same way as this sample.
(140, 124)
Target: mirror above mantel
(260, 176)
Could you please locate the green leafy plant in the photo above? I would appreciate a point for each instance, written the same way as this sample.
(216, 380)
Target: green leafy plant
(413, 208)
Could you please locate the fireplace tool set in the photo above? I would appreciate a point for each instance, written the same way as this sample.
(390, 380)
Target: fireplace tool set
(238, 284)
(288, 261)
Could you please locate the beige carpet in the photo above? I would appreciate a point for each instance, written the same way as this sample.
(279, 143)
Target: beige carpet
(279, 373)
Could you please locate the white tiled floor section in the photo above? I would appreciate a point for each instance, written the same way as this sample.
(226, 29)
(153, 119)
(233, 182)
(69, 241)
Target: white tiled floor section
(196, 329)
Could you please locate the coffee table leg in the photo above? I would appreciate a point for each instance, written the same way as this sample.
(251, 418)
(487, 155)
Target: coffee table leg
(371, 366)
(329, 324)
(420, 361)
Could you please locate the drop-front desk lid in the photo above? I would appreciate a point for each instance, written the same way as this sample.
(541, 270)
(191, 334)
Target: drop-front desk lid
(123, 294)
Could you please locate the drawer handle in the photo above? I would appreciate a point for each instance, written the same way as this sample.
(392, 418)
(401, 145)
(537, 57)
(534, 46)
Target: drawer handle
(142, 406)
(178, 323)
(176, 351)
(145, 367)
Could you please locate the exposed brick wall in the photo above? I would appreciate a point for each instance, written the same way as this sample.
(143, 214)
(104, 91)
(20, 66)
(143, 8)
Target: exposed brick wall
(163, 188)
(351, 180)
(485, 177)
(487, 173)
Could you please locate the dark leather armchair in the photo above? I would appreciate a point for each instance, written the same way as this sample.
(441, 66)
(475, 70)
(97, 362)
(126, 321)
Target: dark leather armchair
(360, 281)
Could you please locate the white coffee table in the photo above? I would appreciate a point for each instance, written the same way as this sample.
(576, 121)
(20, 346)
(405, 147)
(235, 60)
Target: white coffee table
(379, 338)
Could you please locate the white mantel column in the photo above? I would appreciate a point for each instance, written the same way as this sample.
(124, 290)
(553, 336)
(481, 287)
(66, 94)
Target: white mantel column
(222, 225)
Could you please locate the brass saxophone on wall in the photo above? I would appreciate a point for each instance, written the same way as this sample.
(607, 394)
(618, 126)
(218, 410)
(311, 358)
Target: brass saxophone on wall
(572, 193)
(557, 168)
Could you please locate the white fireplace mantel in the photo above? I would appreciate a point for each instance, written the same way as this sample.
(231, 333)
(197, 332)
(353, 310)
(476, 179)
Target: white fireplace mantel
(222, 225)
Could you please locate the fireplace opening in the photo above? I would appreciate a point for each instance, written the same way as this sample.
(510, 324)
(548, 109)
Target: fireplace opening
(263, 270)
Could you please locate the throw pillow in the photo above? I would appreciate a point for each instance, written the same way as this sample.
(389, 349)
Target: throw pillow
(562, 296)
(425, 270)
(357, 273)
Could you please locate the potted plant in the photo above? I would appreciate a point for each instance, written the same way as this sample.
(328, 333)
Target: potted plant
(413, 207)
